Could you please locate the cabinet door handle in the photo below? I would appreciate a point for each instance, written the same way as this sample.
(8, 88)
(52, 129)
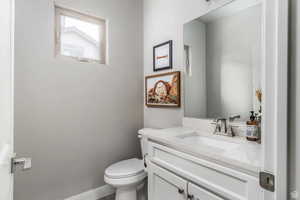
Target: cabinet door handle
(180, 191)
(190, 196)
(145, 163)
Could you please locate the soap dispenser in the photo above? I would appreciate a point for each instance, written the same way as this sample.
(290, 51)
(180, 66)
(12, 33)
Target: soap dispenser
(252, 132)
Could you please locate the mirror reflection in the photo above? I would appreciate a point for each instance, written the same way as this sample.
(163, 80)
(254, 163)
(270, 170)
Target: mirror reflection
(223, 63)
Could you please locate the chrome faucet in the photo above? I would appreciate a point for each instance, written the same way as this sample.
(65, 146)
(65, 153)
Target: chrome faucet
(224, 128)
(221, 126)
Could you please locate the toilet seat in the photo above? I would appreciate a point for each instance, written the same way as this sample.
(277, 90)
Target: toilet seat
(125, 169)
(126, 182)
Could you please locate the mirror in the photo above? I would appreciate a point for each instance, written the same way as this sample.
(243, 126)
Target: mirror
(223, 62)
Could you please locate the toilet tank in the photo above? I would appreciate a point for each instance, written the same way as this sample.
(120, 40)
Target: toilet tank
(143, 142)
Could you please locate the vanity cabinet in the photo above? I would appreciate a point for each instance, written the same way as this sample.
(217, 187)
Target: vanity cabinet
(178, 175)
(165, 185)
(197, 193)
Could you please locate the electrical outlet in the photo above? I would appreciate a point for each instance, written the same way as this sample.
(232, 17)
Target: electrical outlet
(294, 195)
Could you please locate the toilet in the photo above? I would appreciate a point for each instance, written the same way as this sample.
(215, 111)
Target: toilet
(128, 176)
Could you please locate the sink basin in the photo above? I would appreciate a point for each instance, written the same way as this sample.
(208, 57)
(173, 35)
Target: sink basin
(202, 141)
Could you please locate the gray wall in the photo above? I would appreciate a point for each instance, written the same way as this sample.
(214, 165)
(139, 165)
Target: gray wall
(195, 81)
(233, 63)
(294, 96)
(75, 119)
(167, 24)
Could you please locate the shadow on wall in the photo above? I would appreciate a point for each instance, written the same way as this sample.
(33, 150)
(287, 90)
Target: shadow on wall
(294, 96)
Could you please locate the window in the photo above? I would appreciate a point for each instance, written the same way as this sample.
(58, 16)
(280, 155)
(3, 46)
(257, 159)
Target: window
(80, 36)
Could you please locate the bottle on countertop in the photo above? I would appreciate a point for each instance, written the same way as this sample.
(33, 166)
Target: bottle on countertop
(252, 133)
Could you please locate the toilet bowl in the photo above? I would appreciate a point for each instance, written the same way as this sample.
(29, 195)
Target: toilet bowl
(128, 176)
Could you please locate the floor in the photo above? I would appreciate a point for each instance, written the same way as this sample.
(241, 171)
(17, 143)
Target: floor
(111, 197)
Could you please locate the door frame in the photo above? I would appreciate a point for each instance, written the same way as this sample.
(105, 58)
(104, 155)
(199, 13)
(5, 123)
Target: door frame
(7, 13)
(275, 96)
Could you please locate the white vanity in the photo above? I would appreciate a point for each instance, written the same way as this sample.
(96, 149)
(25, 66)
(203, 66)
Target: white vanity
(190, 162)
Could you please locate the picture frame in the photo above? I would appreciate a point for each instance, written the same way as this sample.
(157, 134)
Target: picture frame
(163, 56)
(163, 90)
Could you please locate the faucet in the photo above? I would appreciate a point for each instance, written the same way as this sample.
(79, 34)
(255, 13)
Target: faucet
(222, 128)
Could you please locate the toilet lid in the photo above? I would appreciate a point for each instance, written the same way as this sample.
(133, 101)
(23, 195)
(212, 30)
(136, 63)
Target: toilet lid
(125, 168)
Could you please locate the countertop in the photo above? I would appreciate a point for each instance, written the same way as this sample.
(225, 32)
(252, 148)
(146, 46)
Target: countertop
(233, 152)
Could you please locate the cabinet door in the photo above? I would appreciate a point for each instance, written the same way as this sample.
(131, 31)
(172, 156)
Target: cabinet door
(198, 193)
(163, 185)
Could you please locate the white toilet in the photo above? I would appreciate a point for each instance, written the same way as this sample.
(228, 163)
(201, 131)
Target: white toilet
(128, 176)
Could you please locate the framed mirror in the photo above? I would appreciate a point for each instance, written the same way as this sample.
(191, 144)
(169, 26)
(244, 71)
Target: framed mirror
(223, 62)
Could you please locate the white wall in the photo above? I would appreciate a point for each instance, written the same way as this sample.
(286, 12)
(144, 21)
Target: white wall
(195, 80)
(163, 21)
(75, 119)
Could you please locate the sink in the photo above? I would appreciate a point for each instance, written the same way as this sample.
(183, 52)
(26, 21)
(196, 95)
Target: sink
(203, 141)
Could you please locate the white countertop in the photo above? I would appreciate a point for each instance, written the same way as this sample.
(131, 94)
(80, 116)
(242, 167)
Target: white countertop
(234, 152)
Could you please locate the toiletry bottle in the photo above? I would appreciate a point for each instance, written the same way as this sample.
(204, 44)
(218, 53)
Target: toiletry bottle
(252, 133)
(258, 119)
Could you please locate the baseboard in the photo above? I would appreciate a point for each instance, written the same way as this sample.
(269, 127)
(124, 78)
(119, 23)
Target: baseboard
(94, 194)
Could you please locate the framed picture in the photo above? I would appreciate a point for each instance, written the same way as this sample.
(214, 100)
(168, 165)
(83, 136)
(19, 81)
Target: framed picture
(162, 56)
(163, 90)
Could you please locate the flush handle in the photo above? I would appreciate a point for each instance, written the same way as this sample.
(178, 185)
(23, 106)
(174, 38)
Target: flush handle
(23, 163)
(180, 191)
(145, 162)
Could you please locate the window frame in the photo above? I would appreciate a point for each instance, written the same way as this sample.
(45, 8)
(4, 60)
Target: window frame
(61, 11)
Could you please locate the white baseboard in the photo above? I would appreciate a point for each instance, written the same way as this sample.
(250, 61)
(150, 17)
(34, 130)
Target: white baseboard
(94, 194)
